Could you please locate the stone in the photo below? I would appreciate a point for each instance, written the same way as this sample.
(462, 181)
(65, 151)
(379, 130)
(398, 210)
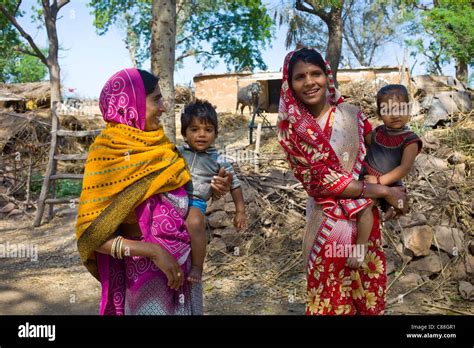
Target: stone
(228, 198)
(216, 245)
(469, 264)
(429, 164)
(229, 207)
(430, 264)
(459, 176)
(7, 208)
(430, 141)
(407, 254)
(249, 194)
(390, 267)
(450, 240)
(215, 206)
(231, 237)
(218, 232)
(418, 239)
(416, 219)
(219, 219)
(444, 103)
(470, 247)
(458, 271)
(466, 290)
(15, 212)
(410, 280)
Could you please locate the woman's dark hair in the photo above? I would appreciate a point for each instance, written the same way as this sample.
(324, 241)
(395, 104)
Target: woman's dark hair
(400, 90)
(149, 81)
(305, 55)
(201, 109)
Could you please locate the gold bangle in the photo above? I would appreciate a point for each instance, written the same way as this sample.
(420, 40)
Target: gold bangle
(112, 249)
(120, 248)
(117, 246)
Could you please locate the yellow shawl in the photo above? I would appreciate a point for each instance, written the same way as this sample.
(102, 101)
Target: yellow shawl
(125, 166)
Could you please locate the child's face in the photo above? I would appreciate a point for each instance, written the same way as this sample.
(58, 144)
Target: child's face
(394, 111)
(200, 134)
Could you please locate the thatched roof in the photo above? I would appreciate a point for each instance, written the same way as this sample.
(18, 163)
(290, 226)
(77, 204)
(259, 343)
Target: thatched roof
(36, 91)
(13, 122)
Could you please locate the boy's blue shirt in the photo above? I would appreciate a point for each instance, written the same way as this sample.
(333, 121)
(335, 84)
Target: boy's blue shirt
(203, 166)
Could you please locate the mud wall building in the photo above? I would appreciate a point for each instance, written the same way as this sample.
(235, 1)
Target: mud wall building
(221, 89)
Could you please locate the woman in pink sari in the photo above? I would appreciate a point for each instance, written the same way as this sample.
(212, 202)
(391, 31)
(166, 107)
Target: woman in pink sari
(131, 231)
(323, 138)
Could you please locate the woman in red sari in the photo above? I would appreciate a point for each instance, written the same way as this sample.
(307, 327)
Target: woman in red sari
(324, 141)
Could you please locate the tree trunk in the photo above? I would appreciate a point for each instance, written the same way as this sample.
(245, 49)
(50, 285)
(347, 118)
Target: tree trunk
(461, 70)
(53, 63)
(163, 42)
(334, 47)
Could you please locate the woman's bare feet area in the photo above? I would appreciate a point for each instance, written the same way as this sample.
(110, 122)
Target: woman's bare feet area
(195, 274)
(357, 256)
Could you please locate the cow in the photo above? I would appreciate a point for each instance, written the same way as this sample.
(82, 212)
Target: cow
(248, 96)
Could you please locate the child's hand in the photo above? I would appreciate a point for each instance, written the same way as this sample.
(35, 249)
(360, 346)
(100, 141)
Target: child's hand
(240, 220)
(370, 179)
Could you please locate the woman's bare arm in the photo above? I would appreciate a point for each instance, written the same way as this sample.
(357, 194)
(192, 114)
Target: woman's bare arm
(395, 196)
(158, 255)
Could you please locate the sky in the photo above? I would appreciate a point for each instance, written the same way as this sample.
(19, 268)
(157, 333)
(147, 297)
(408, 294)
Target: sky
(87, 60)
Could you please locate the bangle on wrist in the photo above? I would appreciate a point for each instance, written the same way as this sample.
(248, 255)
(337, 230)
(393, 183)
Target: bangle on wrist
(364, 187)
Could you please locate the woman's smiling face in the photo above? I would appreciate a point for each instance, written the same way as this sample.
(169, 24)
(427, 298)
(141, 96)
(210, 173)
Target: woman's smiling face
(309, 83)
(154, 108)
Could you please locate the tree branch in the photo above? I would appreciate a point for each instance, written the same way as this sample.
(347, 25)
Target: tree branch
(17, 8)
(318, 12)
(195, 53)
(201, 30)
(24, 34)
(62, 3)
(21, 50)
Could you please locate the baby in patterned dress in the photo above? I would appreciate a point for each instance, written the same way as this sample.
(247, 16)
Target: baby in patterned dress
(392, 149)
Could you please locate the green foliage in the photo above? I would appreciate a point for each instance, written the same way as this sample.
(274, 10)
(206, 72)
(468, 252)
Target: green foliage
(64, 188)
(451, 25)
(208, 30)
(19, 68)
(446, 32)
(16, 67)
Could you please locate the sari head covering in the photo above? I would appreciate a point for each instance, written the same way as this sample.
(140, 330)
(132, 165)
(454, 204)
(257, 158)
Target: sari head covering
(122, 99)
(297, 128)
(323, 166)
(125, 167)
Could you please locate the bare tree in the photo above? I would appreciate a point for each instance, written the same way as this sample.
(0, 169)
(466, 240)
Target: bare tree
(343, 28)
(330, 13)
(368, 25)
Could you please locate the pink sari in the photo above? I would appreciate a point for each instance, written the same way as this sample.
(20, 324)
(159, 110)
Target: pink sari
(134, 285)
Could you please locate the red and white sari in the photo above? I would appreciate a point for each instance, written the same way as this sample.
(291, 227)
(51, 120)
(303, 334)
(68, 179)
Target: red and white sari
(325, 157)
